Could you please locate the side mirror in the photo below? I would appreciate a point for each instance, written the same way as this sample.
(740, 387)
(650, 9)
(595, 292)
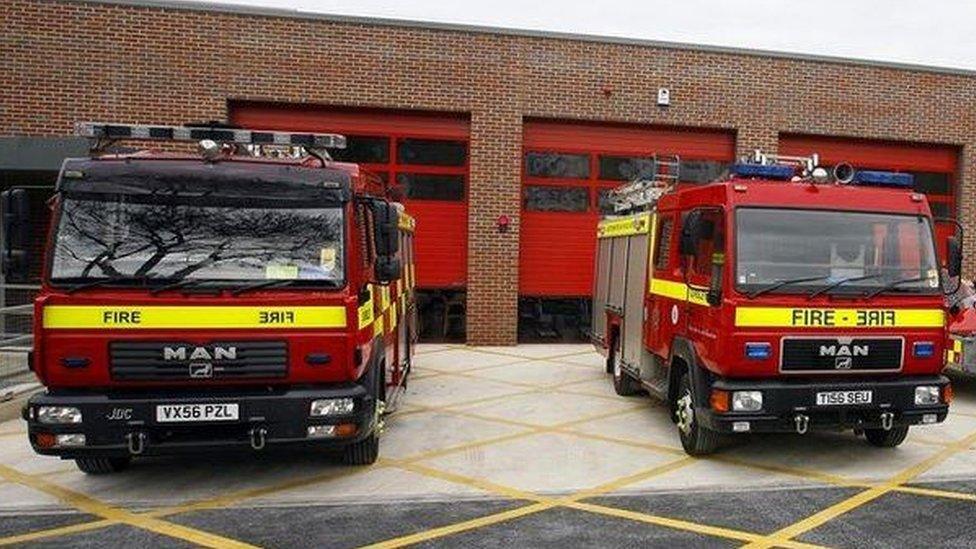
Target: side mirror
(690, 230)
(386, 236)
(386, 219)
(954, 257)
(15, 214)
(388, 268)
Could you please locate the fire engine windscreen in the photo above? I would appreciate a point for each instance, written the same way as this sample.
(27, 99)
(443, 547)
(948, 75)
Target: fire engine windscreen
(839, 251)
(142, 240)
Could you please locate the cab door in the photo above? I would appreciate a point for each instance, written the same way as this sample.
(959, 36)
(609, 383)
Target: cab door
(704, 271)
(659, 307)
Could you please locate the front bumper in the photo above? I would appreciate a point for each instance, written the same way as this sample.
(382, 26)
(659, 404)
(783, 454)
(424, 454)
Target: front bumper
(786, 401)
(117, 424)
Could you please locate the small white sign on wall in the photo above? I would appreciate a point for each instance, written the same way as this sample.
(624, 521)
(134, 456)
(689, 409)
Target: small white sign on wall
(663, 97)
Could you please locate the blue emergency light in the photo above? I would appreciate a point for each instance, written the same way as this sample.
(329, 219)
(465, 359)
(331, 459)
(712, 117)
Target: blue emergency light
(758, 351)
(883, 179)
(765, 171)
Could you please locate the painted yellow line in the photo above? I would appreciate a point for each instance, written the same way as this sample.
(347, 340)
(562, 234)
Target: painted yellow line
(818, 519)
(56, 532)
(470, 482)
(929, 492)
(14, 434)
(93, 506)
(676, 524)
(459, 527)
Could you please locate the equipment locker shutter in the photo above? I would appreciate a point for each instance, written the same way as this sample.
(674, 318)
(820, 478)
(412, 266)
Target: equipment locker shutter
(424, 155)
(567, 168)
(633, 329)
(936, 167)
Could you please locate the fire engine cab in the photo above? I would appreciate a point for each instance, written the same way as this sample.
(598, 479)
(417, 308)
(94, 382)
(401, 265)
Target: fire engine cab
(783, 298)
(250, 295)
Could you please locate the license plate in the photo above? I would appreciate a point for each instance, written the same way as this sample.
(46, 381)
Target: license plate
(844, 398)
(179, 413)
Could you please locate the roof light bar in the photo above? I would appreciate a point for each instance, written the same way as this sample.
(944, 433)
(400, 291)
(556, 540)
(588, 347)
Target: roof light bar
(101, 130)
(766, 171)
(884, 179)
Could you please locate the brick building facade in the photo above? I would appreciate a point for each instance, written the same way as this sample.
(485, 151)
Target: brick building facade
(143, 62)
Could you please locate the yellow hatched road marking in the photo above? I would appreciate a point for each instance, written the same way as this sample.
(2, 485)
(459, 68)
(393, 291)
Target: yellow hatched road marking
(818, 519)
(93, 506)
(56, 532)
(229, 499)
(134, 317)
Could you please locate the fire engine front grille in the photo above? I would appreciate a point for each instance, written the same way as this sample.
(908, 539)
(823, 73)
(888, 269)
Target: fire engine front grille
(174, 360)
(841, 354)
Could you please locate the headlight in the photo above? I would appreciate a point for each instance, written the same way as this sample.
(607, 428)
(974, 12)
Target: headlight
(331, 407)
(926, 395)
(58, 414)
(72, 439)
(747, 401)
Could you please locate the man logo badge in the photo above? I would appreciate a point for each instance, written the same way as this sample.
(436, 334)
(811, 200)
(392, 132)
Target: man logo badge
(201, 370)
(200, 358)
(843, 363)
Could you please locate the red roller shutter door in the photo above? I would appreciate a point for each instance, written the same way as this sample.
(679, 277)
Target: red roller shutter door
(425, 154)
(567, 168)
(936, 167)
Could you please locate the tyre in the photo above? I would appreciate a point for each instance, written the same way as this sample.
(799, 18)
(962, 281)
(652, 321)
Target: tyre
(102, 465)
(623, 384)
(366, 451)
(886, 439)
(696, 439)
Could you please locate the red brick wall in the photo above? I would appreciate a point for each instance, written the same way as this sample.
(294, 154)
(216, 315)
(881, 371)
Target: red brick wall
(67, 61)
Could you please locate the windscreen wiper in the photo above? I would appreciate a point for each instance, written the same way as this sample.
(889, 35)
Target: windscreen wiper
(839, 283)
(784, 282)
(94, 283)
(895, 283)
(262, 284)
(181, 283)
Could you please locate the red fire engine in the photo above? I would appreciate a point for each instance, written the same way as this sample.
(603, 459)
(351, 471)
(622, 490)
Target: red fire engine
(776, 300)
(230, 299)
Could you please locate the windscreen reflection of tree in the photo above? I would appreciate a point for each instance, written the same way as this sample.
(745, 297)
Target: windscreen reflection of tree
(174, 241)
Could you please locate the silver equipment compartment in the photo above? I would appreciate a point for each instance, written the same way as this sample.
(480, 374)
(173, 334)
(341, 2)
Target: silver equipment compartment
(601, 288)
(636, 285)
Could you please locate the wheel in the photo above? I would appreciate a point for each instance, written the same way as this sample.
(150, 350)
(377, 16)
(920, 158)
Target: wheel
(366, 451)
(363, 452)
(623, 384)
(886, 439)
(696, 439)
(102, 465)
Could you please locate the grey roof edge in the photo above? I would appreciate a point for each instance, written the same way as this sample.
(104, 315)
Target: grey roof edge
(263, 11)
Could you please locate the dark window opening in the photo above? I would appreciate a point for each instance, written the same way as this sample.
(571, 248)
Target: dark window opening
(562, 320)
(941, 209)
(569, 166)
(431, 152)
(432, 186)
(604, 204)
(556, 199)
(702, 171)
(364, 150)
(933, 183)
(622, 168)
(441, 315)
